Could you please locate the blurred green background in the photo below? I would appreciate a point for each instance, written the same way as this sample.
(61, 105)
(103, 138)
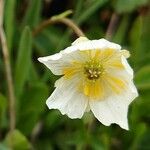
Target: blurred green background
(37, 127)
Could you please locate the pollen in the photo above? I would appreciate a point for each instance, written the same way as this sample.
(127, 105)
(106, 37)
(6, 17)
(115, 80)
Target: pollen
(93, 70)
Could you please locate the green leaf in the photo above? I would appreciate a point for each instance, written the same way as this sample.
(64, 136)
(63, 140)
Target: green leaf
(44, 144)
(139, 132)
(9, 21)
(23, 61)
(78, 9)
(139, 38)
(145, 36)
(53, 120)
(123, 6)
(48, 40)
(33, 74)
(96, 144)
(17, 141)
(87, 13)
(135, 33)
(32, 16)
(135, 40)
(33, 103)
(142, 78)
(3, 107)
(121, 30)
(138, 114)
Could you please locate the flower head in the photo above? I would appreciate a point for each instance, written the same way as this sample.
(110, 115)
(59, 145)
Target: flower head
(96, 77)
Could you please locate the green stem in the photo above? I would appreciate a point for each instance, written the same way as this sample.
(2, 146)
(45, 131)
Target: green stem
(55, 20)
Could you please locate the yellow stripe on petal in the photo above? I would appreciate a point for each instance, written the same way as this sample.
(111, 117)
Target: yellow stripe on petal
(117, 63)
(107, 54)
(117, 85)
(97, 55)
(115, 59)
(94, 90)
(69, 72)
(97, 90)
(86, 89)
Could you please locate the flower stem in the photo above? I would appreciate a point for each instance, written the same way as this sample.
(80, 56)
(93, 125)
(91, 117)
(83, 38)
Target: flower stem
(55, 20)
(112, 26)
(7, 70)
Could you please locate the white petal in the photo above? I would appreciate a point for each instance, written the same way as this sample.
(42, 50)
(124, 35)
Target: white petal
(56, 56)
(91, 45)
(59, 82)
(67, 99)
(53, 62)
(79, 40)
(98, 44)
(127, 66)
(114, 109)
(126, 73)
(76, 106)
(58, 61)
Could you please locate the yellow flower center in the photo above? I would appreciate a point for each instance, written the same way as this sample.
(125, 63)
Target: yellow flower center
(95, 77)
(93, 70)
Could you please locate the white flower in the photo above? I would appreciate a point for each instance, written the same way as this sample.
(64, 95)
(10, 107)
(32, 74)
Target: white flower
(96, 77)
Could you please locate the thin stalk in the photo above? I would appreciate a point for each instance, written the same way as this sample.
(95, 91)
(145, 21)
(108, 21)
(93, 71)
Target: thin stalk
(7, 70)
(65, 21)
(112, 26)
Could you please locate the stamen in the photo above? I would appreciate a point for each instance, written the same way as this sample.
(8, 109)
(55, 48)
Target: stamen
(93, 70)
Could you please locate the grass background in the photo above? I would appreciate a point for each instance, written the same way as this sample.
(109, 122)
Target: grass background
(41, 129)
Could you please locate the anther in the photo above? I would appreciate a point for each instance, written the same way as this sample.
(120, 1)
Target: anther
(93, 70)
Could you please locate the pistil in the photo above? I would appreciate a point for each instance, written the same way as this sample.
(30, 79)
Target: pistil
(93, 70)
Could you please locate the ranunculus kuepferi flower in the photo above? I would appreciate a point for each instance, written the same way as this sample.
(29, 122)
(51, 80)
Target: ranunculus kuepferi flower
(96, 77)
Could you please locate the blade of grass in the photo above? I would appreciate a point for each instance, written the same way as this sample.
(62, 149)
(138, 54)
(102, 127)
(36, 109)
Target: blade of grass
(121, 31)
(9, 21)
(89, 11)
(78, 9)
(23, 60)
(32, 16)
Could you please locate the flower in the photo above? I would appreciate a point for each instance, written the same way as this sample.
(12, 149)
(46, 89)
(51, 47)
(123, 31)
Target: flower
(96, 77)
